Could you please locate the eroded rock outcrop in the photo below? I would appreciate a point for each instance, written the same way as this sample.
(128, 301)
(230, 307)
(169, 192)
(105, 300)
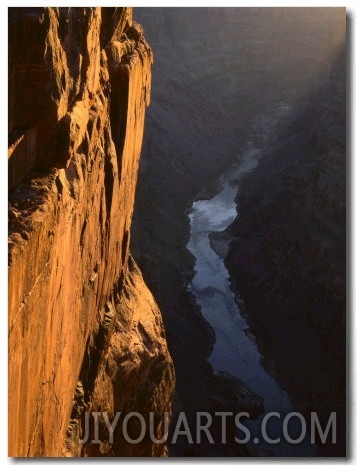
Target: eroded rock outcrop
(82, 324)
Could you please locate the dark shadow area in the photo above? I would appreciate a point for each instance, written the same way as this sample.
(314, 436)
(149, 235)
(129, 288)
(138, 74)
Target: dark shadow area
(223, 78)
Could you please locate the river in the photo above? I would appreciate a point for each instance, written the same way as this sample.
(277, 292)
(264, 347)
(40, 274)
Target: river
(234, 351)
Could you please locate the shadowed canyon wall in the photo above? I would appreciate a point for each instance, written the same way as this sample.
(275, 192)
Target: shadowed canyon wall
(219, 74)
(287, 258)
(85, 334)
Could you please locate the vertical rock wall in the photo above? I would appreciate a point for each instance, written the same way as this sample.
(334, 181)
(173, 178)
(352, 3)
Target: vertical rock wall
(79, 79)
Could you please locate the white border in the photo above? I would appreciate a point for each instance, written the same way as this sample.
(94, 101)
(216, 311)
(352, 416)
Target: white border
(354, 12)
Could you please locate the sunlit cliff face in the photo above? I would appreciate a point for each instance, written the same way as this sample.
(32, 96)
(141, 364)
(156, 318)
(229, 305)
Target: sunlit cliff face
(79, 86)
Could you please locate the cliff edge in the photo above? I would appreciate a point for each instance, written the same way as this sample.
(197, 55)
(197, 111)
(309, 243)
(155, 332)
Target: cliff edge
(85, 334)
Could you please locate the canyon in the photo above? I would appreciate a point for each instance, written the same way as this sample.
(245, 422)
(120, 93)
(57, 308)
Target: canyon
(227, 80)
(208, 274)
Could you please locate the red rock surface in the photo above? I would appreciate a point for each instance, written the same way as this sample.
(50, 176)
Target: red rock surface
(79, 83)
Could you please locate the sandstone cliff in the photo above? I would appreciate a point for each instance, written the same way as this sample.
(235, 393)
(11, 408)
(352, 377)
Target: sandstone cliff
(85, 334)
